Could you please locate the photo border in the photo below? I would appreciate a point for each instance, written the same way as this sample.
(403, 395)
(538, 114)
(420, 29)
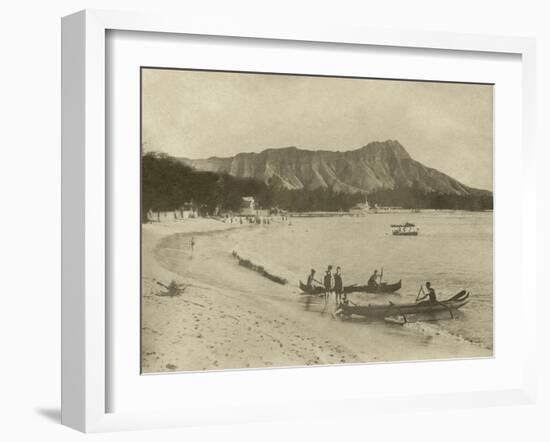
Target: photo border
(225, 71)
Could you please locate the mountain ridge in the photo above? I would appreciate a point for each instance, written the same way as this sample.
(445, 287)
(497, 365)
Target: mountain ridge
(378, 165)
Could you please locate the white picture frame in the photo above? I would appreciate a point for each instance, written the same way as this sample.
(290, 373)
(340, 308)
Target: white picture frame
(86, 202)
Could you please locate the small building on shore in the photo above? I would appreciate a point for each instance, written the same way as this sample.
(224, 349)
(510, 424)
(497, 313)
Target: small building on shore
(368, 208)
(248, 206)
(362, 209)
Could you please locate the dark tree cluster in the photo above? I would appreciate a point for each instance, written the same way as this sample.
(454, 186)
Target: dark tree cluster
(317, 200)
(168, 184)
(415, 198)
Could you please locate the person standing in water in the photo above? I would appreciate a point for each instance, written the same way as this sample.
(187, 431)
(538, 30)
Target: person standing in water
(328, 282)
(311, 279)
(192, 245)
(338, 286)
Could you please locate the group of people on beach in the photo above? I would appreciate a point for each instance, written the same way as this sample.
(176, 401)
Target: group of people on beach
(248, 219)
(333, 284)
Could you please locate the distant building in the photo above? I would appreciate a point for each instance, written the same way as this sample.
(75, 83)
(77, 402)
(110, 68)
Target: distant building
(362, 209)
(248, 206)
(367, 208)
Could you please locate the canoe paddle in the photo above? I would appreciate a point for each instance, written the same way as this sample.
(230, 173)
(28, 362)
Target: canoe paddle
(419, 291)
(437, 302)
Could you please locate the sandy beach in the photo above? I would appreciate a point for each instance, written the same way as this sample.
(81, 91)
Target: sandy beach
(231, 317)
(220, 324)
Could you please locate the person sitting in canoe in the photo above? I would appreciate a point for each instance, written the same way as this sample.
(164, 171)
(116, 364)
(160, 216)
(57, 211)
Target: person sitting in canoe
(373, 279)
(338, 285)
(311, 279)
(430, 294)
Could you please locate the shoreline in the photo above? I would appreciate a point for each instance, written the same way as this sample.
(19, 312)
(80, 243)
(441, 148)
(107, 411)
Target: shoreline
(367, 213)
(230, 317)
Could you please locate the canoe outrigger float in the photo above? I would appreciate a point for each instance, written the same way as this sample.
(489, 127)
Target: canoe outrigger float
(402, 310)
(407, 229)
(380, 289)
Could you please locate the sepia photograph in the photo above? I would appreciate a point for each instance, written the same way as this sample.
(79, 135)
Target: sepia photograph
(297, 220)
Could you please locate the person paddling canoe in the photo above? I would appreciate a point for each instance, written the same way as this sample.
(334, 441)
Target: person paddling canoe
(373, 279)
(430, 293)
(311, 279)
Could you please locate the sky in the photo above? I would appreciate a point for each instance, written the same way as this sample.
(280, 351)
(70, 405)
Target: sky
(195, 114)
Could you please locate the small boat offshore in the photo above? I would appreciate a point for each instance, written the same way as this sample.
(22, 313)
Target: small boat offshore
(407, 229)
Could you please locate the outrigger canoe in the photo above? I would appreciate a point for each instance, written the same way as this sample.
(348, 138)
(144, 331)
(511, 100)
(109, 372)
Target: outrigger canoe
(391, 309)
(380, 289)
(317, 290)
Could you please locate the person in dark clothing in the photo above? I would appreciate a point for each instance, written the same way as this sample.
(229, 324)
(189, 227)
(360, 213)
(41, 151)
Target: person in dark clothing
(338, 285)
(311, 279)
(329, 280)
(373, 279)
(329, 284)
(430, 294)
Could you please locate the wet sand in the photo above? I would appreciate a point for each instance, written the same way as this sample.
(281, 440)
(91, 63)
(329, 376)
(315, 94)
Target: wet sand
(230, 317)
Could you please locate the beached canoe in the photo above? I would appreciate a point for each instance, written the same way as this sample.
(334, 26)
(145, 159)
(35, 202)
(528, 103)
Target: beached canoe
(380, 289)
(391, 309)
(311, 290)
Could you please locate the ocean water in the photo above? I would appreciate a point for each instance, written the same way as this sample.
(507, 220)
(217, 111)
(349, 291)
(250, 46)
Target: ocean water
(454, 251)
